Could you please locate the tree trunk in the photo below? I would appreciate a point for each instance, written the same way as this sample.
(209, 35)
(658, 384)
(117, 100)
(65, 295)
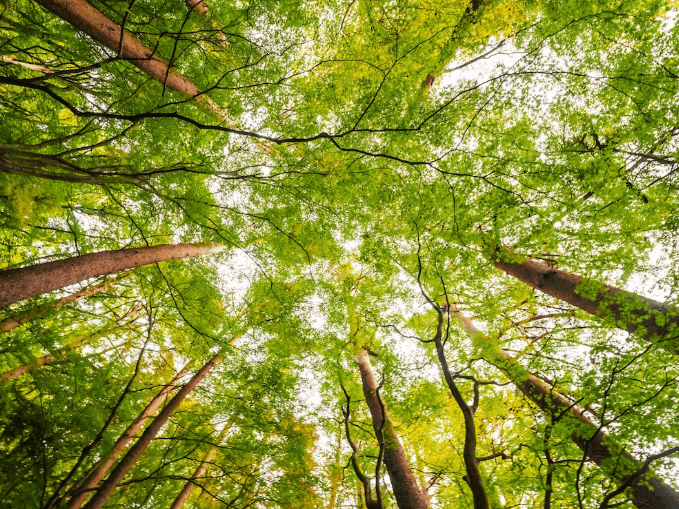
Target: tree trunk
(336, 472)
(86, 18)
(471, 464)
(97, 474)
(197, 6)
(403, 482)
(50, 358)
(652, 319)
(200, 471)
(113, 480)
(43, 310)
(24, 283)
(648, 491)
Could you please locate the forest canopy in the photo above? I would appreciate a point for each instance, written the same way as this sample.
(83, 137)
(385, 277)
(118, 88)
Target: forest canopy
(339, 254)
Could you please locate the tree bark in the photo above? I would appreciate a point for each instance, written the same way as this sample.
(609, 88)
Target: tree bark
(97, 474)
(403, 482)
(197, 6)
(653, 320)
(648, 491)
(24, 283)
(43, 310)
(86, 18)
(113, 480)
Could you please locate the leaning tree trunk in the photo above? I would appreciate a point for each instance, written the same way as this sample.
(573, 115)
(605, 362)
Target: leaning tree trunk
(86, 18)
(200, 471)
(27, 282)
(100, 470)
(113, 480)
(48, 359)
(37, 312)
(648, 491)
(403, 482)
(653, 320)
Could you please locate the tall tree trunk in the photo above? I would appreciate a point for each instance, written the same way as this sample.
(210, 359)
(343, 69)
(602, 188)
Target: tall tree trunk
(336, 472)
(652, 319)
(200, 471)
(113, 480)
(403, 482)
(47, 359)
(37, 312)
(86, 18)
(97, 474)
(471, 464)
(648, 491)
(27, 282)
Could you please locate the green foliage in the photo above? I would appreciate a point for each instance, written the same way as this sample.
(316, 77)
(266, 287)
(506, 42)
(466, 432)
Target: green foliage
(350, 193)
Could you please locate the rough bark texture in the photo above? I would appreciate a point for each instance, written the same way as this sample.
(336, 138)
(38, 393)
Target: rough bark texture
(19, 284)
(113, 480)
(38, 312)
(403, 482)
(629, 311)
(86, 18)
(471, 464)
(648, 491)
(97, 474)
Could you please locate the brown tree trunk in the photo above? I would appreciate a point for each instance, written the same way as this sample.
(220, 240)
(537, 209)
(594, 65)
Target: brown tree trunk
(403, 482)
(86, 18)
(19, 284)
(97, 474)
(50, 358)
(655, 321)
(200, 471)
(648, 491)
(197, 6)
(41, 311)
(113, 480)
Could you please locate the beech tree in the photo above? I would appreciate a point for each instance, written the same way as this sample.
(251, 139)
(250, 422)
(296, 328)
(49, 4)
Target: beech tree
(374, 174)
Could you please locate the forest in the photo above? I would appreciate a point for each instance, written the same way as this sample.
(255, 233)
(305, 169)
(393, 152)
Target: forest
(372, 254)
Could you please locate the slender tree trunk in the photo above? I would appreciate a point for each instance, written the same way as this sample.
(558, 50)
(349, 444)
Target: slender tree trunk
(86, 18)
(19, 284)
(648, 491)
(44, 310)
(652, 319)
(471, 464)
(336, 472)
(113, 480)
(97, 474)
(403, 482)
(200, 471)
(50, 358)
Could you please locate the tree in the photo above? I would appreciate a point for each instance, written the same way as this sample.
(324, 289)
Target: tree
(355, 198)
(654, 320)
(27, 282)
(114, 478)
(80, 493)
